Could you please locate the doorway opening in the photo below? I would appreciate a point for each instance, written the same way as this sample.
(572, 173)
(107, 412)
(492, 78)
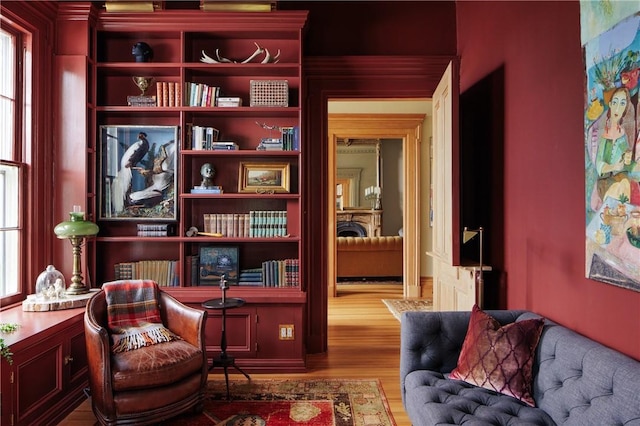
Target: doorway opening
(407, 128)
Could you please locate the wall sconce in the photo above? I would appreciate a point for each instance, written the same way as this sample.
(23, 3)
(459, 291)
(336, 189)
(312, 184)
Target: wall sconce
(467, 235)
(75, 230)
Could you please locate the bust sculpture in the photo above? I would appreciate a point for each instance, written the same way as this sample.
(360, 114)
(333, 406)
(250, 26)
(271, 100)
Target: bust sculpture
(142, 52)
(207, 172)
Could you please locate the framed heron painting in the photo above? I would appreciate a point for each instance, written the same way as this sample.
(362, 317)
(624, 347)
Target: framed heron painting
(138, 172)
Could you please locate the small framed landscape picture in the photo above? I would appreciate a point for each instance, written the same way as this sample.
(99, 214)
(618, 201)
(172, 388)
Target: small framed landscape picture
(266, 178)
(138, 172)
(216, 261)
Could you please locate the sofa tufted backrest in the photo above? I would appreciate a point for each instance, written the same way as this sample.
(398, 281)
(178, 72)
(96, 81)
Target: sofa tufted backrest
(578, 381)
(433, 340)
(369, 243)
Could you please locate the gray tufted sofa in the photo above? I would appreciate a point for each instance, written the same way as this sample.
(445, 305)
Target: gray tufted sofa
(576, 380)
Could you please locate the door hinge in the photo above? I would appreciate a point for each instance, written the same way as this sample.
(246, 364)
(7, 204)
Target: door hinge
(256, 346)
(12, 377)
(257, 316)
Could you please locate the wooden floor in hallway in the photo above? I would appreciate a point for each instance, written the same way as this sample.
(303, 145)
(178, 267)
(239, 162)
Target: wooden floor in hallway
(363, 342)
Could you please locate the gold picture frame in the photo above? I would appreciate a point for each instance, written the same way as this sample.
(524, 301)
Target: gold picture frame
(267, 178)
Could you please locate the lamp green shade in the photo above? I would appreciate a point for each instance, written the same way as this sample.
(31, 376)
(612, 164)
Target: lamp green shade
(76, 227)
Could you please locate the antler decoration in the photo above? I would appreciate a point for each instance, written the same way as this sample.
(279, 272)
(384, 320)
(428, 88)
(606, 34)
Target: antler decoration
(268, 57)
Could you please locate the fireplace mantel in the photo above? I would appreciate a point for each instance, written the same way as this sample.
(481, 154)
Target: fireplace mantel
(370, 219)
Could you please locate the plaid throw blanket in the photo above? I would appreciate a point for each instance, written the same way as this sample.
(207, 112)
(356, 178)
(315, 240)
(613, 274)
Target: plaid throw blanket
(133, 315)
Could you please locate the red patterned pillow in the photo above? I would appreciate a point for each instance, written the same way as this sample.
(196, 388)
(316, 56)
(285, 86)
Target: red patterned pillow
(499, 358)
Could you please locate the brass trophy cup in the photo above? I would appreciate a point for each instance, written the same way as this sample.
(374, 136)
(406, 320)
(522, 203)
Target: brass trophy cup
(143, 83)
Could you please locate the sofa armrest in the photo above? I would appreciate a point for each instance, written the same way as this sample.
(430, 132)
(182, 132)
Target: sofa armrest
(433, 340)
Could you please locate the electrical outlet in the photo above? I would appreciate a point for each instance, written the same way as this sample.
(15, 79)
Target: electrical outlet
(286, 332)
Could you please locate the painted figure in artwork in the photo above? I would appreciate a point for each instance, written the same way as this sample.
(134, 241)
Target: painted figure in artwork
(615, 156)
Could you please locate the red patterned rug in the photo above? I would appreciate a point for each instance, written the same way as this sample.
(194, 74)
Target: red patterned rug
(330, 402)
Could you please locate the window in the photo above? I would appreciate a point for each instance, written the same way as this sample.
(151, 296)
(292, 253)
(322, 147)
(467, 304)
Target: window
(13, 147)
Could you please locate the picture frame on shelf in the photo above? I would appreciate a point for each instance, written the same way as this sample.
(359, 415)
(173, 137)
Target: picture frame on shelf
(216, 261)
(267, 178)
(138, 172)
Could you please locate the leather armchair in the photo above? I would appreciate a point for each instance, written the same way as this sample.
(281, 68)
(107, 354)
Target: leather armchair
(149, 384)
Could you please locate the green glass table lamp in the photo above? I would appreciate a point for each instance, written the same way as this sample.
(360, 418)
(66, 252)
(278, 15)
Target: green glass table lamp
(75, 230)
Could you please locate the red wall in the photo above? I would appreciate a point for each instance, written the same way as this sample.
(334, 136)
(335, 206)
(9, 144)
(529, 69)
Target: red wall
(538, 43)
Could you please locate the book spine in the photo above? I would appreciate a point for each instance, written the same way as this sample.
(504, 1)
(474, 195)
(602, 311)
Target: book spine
(165, 94)
(171, 92)
(159, 93)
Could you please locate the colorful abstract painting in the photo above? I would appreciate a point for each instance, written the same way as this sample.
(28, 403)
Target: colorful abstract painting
(611, 48)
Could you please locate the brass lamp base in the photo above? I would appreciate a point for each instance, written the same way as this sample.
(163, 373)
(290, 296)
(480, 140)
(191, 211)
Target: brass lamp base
(77, 286)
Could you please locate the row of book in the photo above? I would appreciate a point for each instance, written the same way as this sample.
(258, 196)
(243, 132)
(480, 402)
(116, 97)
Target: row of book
(206, 138)
(168, 93)
(163, 272)
(272, 273)
(255, 224)
(155, 230)
(204, 95)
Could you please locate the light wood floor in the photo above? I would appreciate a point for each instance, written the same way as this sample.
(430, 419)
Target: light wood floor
(364, 342)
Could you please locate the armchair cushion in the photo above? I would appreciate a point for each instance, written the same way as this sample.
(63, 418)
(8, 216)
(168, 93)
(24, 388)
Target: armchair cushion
(157, 365)
(133, 315)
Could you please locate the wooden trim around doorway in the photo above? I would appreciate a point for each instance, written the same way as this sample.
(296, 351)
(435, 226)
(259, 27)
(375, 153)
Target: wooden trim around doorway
(407, 127)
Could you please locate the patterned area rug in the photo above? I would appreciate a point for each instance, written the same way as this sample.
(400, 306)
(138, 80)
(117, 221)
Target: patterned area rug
(329, 402)
(398, 306)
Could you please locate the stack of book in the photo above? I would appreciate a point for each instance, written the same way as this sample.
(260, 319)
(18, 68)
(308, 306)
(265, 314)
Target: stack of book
(281, 273)
(270, 144)
(163, 272)
(224, 146)
(229, 101)
(206, 190)
(155, 230)
(250, 277)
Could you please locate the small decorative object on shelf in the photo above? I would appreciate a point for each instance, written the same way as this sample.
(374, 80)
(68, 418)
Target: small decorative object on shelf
(76, 229)
(142, 52)
(267, 59)
(207, 171)
(142, 83)
(288, 140)
(269, 93)
(50, 283)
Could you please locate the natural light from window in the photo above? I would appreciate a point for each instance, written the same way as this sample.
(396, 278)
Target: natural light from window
(9, 170)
